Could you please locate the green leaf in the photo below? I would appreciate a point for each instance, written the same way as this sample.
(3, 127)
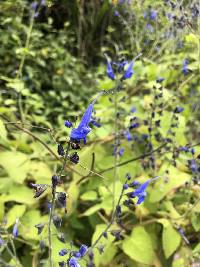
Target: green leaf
(92, 210)
(28, 221)
(175, 179)
(139, 246)
(20, 194)
(170, 238)
(196, 221)
(1, 210)
(178, 263)
(15, 212)
(89, 195)
(16, 165)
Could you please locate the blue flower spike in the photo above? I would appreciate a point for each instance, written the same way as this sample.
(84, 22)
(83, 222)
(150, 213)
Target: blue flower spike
(83, 128)
(140, 192)
(110, 71)
(73, 262)
(15, 228)
(185, 66)
(129, 71)
(83, 250)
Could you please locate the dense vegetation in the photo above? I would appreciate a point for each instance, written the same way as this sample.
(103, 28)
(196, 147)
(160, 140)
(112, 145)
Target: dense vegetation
(129, 195)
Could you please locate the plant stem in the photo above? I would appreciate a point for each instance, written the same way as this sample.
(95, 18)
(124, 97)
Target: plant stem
(21, 65)
(53, 206)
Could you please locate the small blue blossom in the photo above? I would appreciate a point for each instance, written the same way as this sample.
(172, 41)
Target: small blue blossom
(68, 124)
(192, 165)
(63, 252)
(149, 27)
(121, 152)
(193, 151)
(43, 3)
(153, 14)
(83, 249)
(15, 228)
(160, 79)
(128, 136)
(72, 262)
(134, 125)
(83, 128)
(134, 184)
(169, 16)
(120, 65)
(184, 148)
(145, 136)
(95, 123)
(110, 71)
(178, 110)
(185, 67)
(1, 241)
(129, 72)
(77, 255)
(182, 233)
(34, 5)
(133, 109)
(125, 186)
(116, 13)
(140, 192)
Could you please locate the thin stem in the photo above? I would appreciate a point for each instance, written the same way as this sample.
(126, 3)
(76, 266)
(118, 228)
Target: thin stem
(111, 222)
(115, 152)
(53, 206)
(49, 226)
(13, 256)
(21, 65)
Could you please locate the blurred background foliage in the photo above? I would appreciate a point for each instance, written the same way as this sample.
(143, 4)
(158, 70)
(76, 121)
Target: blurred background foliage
(52, 65)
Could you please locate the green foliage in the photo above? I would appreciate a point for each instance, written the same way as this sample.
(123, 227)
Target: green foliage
(62, 55)
(139, 242)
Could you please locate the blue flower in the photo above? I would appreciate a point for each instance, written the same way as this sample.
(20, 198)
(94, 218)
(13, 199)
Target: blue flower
(83, 128)
(178, 110)
(140, 192)
(1, 241)
(83, 249)
(95, 123)
(116, 13)
(160, 79)
(129, 72)
(15, 228)
(125, 186)
(192, 165)
(72, 262)
(110, 71)
(185, 67)
(133, 109)
(153, 14)
(68, 124)
(34, 5)
(43, 3)
(121, 152)
(128, 136)
(63, 252)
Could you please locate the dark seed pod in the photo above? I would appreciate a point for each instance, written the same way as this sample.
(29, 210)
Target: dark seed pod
(61, 198)
(57, 221)
(42, 245)
(60, 150)
(40, 227)
(55, 180)
(74, 157)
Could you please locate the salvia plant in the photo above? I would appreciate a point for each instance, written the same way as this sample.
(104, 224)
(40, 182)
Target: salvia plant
(121, 187)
